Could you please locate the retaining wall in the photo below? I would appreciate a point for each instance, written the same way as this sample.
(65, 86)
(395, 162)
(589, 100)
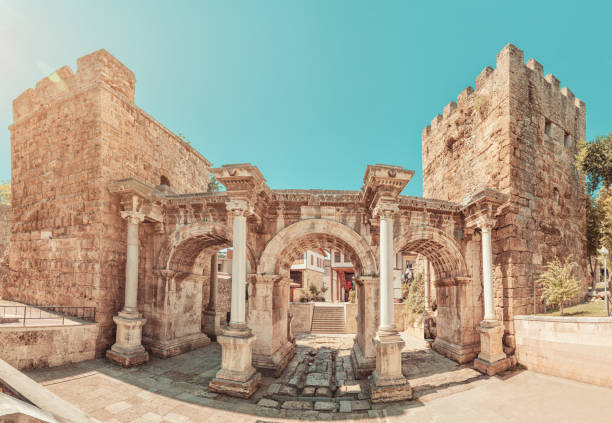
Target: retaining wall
(47, 346)
(578, 348)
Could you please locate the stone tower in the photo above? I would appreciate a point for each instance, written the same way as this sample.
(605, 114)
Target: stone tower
(516, 133)
(71, 136)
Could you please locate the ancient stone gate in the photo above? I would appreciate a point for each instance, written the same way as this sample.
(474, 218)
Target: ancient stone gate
(110, 209)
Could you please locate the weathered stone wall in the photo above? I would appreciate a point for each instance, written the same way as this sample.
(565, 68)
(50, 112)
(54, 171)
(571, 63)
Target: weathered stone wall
(47, 346)
(516, 133)
(576, 348)
(5, 235)
(71, 136)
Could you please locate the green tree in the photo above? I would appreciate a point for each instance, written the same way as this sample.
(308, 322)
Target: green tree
(558, 283)
(213, 184)
(595, 160)
(415, 302)
(5, 193)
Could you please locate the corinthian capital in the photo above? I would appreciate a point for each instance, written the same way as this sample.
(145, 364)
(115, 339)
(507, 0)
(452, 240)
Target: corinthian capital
(386, 208)
(237, 207)
(133, 217)
(485, 223)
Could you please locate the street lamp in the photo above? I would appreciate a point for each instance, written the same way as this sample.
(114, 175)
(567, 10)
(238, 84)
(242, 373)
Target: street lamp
(604, 251)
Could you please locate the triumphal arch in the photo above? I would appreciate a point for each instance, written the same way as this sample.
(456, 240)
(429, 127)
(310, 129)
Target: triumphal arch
(112, 210)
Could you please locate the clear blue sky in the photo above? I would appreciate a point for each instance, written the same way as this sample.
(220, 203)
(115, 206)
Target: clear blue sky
(309, 91)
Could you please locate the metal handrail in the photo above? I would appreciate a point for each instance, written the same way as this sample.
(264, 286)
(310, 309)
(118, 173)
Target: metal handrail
(28, 312)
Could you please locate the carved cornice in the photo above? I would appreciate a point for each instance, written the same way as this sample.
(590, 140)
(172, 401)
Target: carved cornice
(383, 181)
(483, 207)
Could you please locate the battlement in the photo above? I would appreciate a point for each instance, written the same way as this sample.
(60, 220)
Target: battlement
(510, 74)
(99, 67)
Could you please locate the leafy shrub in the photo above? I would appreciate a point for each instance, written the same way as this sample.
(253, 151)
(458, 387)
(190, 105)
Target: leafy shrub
(415, 301)
(558, 283)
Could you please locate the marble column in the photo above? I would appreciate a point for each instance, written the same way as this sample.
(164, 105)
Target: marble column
(128, 350)
(491, 359)
(212, 316)
(237, 376)
(387, 382)
(427, 288)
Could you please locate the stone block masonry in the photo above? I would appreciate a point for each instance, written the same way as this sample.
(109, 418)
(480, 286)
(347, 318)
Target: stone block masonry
(517, 133)
(71, 136)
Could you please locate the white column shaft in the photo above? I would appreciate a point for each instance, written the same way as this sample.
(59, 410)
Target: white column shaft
(239, 272)
(487, 273)
(386, 273)
(426, 283)
(131, 268)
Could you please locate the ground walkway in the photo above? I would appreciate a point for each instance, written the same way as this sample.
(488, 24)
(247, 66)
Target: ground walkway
(318, 385)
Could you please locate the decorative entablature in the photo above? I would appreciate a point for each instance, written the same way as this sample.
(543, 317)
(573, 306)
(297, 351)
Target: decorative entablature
(137, 197)
(383, 181)
(482, 209)
(428, 205)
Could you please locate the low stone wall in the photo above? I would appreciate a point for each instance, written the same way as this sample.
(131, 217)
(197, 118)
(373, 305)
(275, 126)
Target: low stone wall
(302, 317)
(578, 348)
(47, 346)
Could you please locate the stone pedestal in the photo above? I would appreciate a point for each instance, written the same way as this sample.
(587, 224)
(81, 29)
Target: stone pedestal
(363, 354)
(492, 358)
(237, 376)
(388, 383)
(128, 350)
(176, 346)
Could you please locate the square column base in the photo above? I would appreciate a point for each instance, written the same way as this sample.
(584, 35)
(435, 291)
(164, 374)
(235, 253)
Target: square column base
(237, 376)
(128, 350)
(381, 391)
(492, 358)
(388, 383)
(274, 364)
(362, 366)
(492, 369)
(171, 348)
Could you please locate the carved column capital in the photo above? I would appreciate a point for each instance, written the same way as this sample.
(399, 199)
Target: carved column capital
(133, 216)
(485, 223)
(238, 207)
(386, 208)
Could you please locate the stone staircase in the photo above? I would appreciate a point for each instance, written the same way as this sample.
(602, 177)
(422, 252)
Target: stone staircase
(328, 319)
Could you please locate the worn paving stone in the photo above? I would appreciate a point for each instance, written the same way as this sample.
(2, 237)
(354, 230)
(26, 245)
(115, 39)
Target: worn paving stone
(288, 391)
(345, 406)
(274, 388)
(324, 392)
(297, 405)
(360, 405)
(326, 405)
(264, 402)
(317, 379)
(309, 391)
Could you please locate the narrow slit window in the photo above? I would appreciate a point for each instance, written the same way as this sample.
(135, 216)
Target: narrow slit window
(567, 140)
(548, 128)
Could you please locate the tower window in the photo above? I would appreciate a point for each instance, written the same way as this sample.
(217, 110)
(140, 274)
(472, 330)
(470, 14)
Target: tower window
(556, 196)
(164, 181)
(548, 128)
(567, 140)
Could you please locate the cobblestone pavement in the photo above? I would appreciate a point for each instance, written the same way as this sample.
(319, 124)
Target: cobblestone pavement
(317, 385)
